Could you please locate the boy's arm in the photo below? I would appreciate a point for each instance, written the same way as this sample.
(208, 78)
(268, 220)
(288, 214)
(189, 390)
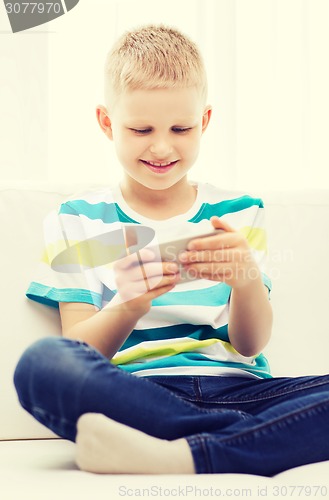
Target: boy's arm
(104, 329)
(250, 318)
(107, 329)
(226, 257)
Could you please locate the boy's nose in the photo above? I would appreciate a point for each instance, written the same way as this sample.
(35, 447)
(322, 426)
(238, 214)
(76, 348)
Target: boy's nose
(161, 148)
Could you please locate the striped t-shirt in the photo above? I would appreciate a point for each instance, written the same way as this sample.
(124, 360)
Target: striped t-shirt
(186, 329)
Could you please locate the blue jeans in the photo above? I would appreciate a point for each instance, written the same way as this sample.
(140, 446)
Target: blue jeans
(232, 424)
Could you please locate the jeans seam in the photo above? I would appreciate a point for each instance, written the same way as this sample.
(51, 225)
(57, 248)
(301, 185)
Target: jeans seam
(36, 410)
(198, 443)
(270, 396)
(187, 402)
(197, 389)
(205, 453)
(274, 422)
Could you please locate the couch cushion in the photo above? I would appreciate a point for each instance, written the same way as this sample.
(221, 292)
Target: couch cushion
(298, 224)
(45, 469)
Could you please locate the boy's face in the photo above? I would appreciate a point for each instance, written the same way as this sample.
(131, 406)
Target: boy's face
(156, 134)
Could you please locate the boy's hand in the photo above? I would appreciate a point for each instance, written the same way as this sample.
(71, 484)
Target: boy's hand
(224, 257)
(140, 279)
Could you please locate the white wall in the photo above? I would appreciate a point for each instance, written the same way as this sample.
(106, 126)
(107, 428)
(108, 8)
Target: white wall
(267, 63)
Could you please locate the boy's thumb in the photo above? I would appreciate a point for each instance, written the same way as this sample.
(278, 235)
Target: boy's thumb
(220, 224)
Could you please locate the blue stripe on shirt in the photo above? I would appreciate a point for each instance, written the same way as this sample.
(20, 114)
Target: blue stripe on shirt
(197, 332)
(107, 212)
(214, 296)
(207, 210)
(52, 296)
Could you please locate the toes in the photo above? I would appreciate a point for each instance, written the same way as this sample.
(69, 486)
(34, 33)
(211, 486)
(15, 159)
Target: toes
(85, 441)
(88, 421)
(92, 430)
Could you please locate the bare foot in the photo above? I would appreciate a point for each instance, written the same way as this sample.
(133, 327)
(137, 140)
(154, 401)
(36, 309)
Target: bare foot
(106, 446)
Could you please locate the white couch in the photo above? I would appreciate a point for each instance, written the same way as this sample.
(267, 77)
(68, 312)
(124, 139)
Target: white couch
(35, 464)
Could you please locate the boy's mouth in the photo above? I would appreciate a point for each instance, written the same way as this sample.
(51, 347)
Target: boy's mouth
(159, 167)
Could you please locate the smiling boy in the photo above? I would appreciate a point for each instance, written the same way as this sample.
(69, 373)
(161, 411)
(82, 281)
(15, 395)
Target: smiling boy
(169, 378)
(157, 149)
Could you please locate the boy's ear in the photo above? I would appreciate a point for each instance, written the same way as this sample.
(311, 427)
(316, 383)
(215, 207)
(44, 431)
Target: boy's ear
(206, 118)
(104, 121)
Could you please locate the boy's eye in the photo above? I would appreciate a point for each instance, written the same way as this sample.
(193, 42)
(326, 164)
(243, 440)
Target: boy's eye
(180, 130)
(141, 131)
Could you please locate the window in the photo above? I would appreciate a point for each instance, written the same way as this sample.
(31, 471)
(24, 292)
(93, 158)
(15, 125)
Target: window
(268, 81)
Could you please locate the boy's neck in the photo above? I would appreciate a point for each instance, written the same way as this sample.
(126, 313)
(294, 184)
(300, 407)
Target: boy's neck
(159, 204)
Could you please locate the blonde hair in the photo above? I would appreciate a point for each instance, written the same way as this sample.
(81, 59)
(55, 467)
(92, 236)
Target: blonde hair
(150, 57)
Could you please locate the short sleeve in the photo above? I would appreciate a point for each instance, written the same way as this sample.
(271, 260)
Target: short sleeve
(256, 235)
(60, 275)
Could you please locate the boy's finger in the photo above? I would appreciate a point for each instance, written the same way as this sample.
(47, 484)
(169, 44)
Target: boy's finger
(134, 259)
(211, 241)
(220, 224)
(224, 239)
(208, 255)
